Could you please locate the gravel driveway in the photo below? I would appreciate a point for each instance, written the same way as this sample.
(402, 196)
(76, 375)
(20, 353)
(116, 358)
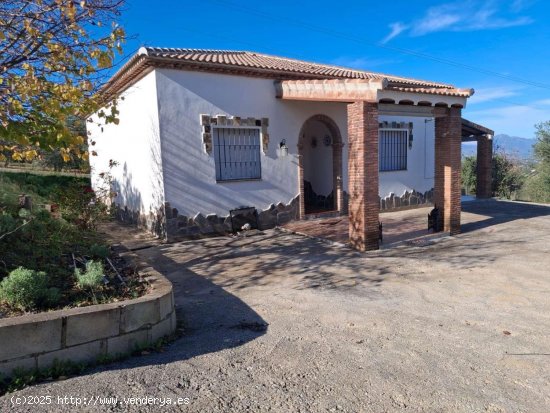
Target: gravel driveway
(284, 323)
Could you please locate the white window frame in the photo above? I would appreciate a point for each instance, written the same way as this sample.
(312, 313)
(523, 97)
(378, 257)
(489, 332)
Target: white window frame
(400, 151)
(228, 175)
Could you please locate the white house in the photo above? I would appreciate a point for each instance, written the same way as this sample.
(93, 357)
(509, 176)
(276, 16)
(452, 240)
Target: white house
(203, 132)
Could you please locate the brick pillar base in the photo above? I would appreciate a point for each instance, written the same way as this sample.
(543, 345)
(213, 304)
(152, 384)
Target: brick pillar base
(363, 175)
(448, 130)
(484, 167)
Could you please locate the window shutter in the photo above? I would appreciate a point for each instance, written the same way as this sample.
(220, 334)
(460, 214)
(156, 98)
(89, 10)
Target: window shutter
(237, 153)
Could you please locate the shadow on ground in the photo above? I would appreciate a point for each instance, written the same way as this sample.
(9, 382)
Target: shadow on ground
(206, 272)
(500, 212)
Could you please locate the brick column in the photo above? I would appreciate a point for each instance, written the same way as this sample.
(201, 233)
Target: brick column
(448, 130)
(484, 166)
(363, 175)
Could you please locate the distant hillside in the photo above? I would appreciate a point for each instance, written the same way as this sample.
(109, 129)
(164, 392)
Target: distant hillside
(513, 145)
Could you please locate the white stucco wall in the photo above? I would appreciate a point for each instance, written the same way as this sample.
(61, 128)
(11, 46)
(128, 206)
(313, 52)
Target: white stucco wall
(419, 175)
(135, 144)
(189, 174)
(168, 103)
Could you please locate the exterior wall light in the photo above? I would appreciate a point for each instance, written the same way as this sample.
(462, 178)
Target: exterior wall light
(411, 137)
(283, 149)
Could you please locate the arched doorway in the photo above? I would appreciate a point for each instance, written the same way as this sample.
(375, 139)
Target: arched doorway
(320, 166)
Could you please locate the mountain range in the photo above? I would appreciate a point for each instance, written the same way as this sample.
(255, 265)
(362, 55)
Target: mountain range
(512, 145)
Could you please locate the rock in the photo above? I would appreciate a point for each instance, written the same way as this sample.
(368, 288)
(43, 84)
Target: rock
(266, 220)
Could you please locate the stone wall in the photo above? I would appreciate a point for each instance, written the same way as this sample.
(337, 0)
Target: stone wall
(407, 200)
(184, 226)
(87, 333)
(153, 222)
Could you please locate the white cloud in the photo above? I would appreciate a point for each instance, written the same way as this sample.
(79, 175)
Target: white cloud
(519, 5)
(468, 15)
(493, 93)
(437, 19)
(395, 30)
(515, 120)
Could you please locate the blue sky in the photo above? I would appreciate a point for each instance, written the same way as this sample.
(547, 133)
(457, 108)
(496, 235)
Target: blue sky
(499, 48)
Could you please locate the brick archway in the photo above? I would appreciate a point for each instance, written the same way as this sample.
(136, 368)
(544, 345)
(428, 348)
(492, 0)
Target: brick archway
(337, 145)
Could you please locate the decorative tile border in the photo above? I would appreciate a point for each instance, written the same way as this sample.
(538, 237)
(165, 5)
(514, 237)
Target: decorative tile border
(208, 121)
(395, 125)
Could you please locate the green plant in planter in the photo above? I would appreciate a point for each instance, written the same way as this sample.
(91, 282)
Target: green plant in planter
(99, 251)
(27, 289)
(92, 277)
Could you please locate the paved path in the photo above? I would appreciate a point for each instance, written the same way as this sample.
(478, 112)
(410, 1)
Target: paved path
(397, 227)
(458, 324)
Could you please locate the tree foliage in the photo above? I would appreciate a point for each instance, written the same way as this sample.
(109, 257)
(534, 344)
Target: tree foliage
(53, 57)
(538, 184)
(469, 174)
(507, 172)
(508, 175)
(542, 145)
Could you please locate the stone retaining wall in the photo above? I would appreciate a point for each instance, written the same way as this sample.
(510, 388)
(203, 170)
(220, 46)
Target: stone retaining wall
(86, 333)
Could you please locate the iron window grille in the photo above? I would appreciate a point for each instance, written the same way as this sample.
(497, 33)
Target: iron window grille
(237, 153)
(393, 149)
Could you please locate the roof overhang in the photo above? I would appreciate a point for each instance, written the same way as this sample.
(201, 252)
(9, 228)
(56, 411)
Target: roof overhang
(371, 90)
(330, 90)
(472, 131)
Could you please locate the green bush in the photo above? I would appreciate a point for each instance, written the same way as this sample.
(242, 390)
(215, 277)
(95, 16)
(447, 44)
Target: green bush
(80, 205)
(92, 277)
(27, 289)
(99, 251)
(469, 174)
(7, 223)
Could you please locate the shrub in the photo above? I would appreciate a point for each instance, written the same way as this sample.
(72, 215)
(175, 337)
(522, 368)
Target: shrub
(99, 251)
(80, 205)
(92, 277)
(7, 223)
(27, 289)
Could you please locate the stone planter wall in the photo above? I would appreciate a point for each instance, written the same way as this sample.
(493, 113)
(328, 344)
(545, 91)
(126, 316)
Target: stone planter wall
(86, 333)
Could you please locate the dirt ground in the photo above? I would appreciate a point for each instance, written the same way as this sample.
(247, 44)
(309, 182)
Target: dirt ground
(284, 323)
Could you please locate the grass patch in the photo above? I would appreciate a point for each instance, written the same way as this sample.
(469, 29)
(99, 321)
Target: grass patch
(42, 187)
(57, 244)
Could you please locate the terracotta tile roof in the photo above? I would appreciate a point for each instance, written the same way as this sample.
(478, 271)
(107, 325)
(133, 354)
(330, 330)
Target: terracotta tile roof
(259, 65)
(448, 91)
(274, 64)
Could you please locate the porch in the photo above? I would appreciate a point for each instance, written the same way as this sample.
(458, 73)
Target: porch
(367, 99)
(406, 226)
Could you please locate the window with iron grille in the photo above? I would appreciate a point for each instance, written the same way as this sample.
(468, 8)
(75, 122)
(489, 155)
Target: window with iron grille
(392, 149)
(237, 153)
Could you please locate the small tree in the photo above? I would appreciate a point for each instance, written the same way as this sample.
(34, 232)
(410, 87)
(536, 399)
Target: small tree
(469, 174)
(508, 176)
(538, 184)
(53, 56)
